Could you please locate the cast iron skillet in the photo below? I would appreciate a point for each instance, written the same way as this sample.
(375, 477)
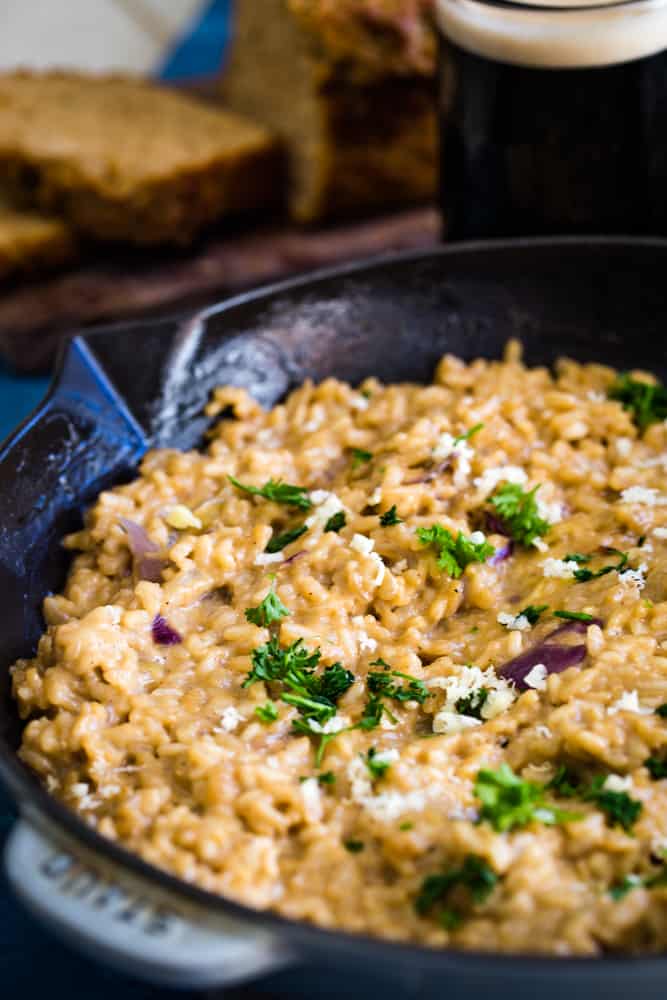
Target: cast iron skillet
(122, 390)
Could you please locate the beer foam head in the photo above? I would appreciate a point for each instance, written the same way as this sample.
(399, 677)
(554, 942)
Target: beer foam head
(557, 34)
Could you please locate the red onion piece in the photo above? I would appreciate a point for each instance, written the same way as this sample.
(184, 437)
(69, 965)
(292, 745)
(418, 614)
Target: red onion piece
(430, 474)
(148, 565)
(163, 633)
(493, 524)
(553, 656)
(297, 555)
(501, 554)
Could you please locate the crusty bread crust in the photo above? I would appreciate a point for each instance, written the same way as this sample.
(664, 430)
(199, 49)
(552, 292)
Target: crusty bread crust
(349, 85)
(122, 159)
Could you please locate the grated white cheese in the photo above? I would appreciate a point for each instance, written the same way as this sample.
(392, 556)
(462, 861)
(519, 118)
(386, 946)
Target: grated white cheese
(447, 445)
(660, 532)
(543, 731)
(515, 623)
(312, 799)
(230, 719)
(617, 783)
(375, 497)
(450, 723)
(634, 577)
(501, 694)
(560, 569)
(326, 505)
(362, 544)
(629, 702)
(623, 446)
(490, 478)
(266, 558)
(551, 511)
(643, 495)
(387, 756)
(388, 806)
(366, 644)
(359, 403)
(596, 397)
(478, 538)
(540, 545)
(537, 677)
(335, 725)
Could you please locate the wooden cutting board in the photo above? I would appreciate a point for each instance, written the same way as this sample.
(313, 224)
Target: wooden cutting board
(35, 317)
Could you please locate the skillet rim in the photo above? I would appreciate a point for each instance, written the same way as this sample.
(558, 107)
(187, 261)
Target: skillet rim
(31, 798)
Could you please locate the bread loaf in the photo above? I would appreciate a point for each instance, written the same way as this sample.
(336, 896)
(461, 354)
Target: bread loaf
(349, 85)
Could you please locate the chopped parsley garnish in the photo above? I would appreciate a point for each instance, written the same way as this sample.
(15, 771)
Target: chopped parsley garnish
(325, 778)
(574, 616)
(267, 713)
(647, 402)
(577, 557)
(374, 710)
(509, 802)
(585, 574)
(280, 542)
(473, 703)
(390, 518)
(619, 808)
(407, 825)
(380, 683)
(270, 610)
(661, 710)
(519, 513)
(360, 457)
(315, 695)
(454, 554)
(475, 875)
(656, 768)
(377, 767)
(336, 521)
(353, 846)
(620, 889)
(532, 612)
(278, 492)
(468, 434)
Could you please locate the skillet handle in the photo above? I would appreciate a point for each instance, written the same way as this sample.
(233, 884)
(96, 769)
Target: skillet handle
(122, 920)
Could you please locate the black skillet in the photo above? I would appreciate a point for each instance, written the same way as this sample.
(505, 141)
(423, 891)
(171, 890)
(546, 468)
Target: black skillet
(122, 390)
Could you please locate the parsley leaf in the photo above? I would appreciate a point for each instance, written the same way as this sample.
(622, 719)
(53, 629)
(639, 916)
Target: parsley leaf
(324, 778)
(279, 542)
(380, 683)
(475, 875)
(519, 513)
(656, 768)
(336, 522)
(390, 518)
(577, 557)
(532, 612)
(360, 457)
(315, 695)
(473, 703)
(374, 710)
(267, 713)
(573, 616)
(647, 402)
(454, 554)
(269, 611)
(278, 492)
(619, 808)
(620, 889)
(509, 802)
(377, 767)
(584, 575)
(468, 434)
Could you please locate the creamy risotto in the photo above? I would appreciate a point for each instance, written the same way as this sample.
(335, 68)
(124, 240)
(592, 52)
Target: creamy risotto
(387, 658)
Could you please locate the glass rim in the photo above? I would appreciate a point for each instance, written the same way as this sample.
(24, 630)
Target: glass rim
(526, 6)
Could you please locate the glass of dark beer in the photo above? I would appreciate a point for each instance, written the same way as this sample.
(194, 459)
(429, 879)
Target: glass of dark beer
(554, 117)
